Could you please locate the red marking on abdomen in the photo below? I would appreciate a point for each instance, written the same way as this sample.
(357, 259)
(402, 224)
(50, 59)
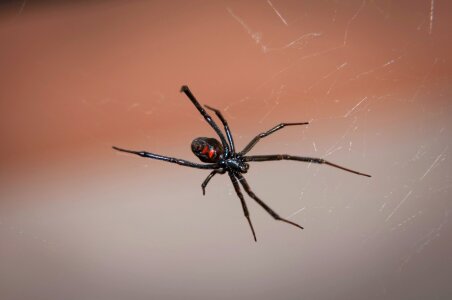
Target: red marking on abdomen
(211, 153)
(205, 150)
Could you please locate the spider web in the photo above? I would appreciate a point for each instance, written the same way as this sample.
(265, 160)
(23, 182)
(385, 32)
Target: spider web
(380, 118)
(371, 77)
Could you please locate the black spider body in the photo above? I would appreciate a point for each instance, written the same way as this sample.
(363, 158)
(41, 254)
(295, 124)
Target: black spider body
(208, 150)
(221, 157)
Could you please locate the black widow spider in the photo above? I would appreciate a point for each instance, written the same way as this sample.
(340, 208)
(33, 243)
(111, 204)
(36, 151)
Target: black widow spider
(222, 158)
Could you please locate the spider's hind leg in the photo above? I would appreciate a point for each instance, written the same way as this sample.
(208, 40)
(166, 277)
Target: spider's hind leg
(174, 160)
(226, 126)
(206, 181)
(184, 89)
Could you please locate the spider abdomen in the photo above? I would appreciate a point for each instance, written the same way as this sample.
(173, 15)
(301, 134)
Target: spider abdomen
(208, 150)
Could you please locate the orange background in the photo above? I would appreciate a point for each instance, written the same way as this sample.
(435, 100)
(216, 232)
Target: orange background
(81, 221)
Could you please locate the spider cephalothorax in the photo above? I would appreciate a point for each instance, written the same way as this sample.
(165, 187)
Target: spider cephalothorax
(220, 157)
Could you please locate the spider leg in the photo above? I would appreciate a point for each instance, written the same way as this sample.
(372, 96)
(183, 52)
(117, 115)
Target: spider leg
(226, 126)
(267, 133)
(206, 181)
(300, 158)
(261, 203)
(242, 200)
(178, 161)
(207, 117)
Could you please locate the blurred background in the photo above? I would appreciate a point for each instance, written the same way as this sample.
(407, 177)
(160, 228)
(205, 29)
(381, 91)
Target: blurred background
(79, 220)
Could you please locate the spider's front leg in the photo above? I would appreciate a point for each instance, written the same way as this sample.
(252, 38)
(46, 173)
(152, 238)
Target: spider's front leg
(302, 159)
(267, 133)
(242, 200)
(206, 181)
(262, 203)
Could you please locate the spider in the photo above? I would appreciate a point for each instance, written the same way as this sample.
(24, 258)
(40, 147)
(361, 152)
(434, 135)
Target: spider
(221, 157)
